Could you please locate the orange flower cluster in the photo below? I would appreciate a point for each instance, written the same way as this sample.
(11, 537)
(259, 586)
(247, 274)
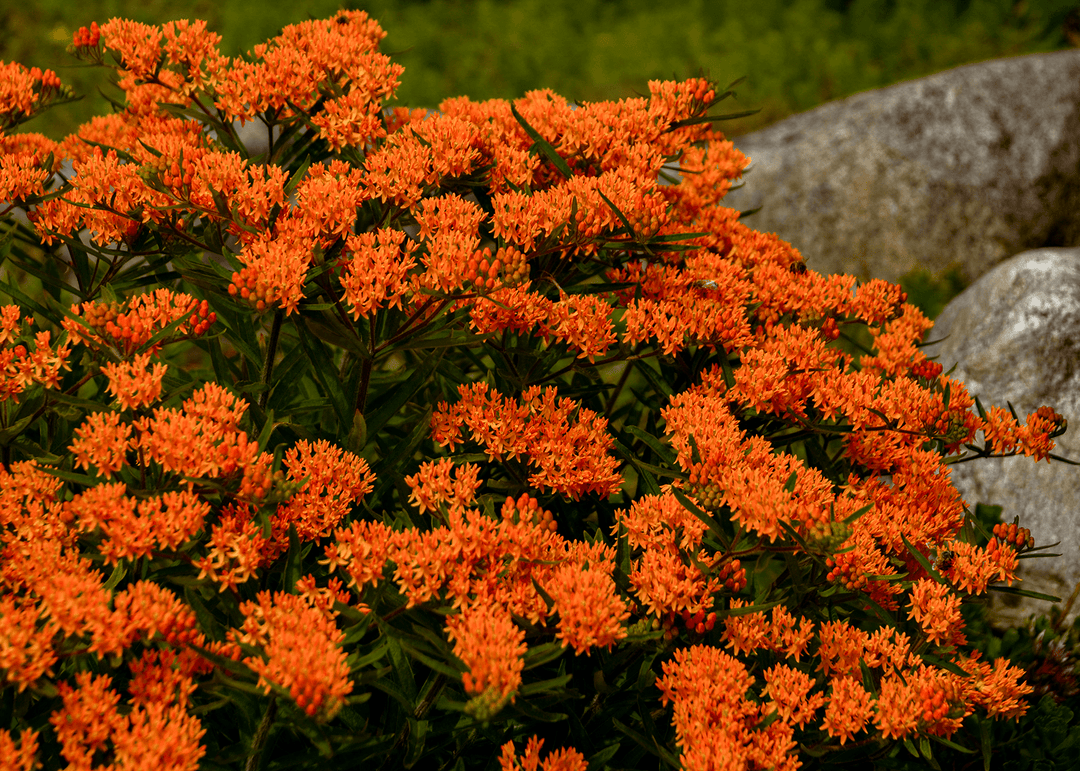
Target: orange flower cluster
(716, 724)
(21, 367)
(913, 696)
(135, 383)
(440, 482)
(157, 733)
(480, 211)
(571, 455)
(131, 325)
(937, 611)
(1005, 435)
(336, 480)
(582, 322)
(302, 648)
(25, 91)
(565, 759)
(490, 646)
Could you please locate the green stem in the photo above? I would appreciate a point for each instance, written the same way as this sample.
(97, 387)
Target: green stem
(618, 390)
(271, 352)
(418, 713)
(365, 369)
(258, 743)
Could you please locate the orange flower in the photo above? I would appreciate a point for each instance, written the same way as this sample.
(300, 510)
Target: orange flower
(26, 649)
(491, 647)
(157, 735)
(997, 687)
(133, 529)
(135, 384)
(235, 549)
(925, 700)
(143, 611)
(201, 438)
(789, 691)
(361, 548)
(336, 481)
(376, 267)
(582, 322)
(24, 92)
(21, 175)
(441, 482)
(274, 272)
(974, 568)
(102, 441)
(715, 724)
(842, 645)
(22, 367)
(848, 709)
(665, 583)
(591, 613)
(158, 676)
(565, 759)
(130, 325)
(703, 302)
(24, 757)
(151, 735)
(571, 456)
(937, 611)
(138, 46)
(302, 651)
(300, 64)
(748, 632)
(88, 718)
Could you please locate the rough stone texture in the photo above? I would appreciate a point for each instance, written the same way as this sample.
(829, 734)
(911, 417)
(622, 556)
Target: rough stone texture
(964, 168)
(1015, 336)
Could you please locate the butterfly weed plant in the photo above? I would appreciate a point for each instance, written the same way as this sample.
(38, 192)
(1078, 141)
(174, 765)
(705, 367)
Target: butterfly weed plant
(481, 437)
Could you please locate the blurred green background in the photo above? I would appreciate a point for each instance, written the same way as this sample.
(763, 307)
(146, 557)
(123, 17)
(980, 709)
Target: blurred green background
(796, 54)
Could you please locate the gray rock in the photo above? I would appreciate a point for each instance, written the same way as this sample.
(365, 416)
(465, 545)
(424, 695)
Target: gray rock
(1015, 337)
(959, 169)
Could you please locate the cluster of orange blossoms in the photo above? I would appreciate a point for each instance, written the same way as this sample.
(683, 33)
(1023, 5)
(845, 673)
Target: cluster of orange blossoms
(562, 186)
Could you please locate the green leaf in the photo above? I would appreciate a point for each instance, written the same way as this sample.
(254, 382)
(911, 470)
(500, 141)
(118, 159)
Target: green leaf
(708, 519)
(986, 742)
(117, 575)
(952, 745)
(647, 743)
(428, 661)
(944, 664)
(543, 686)
(402, 668)
(1024, 593)
(542, 144)
(753, 608)
(543, 654)
(401, 394)
(655, 444)
(326, 374)
(293, 562)
(921, 559)
(357, 434)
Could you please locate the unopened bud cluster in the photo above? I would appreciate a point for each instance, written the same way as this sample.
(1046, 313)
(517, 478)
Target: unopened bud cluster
(827, 537)
(487, 705)
(733, 574)
(528, 509)
(1018, 537)
(843, 569)
(508, 267)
